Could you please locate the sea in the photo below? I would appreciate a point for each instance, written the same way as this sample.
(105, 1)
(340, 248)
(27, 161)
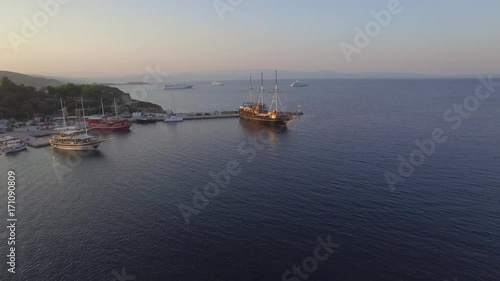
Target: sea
(378, 180)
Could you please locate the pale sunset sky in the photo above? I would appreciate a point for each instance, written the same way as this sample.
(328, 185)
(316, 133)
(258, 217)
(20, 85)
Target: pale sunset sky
(124, 36)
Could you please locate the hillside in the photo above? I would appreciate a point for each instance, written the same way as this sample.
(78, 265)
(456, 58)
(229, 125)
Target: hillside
(27, 80)
(20, 101)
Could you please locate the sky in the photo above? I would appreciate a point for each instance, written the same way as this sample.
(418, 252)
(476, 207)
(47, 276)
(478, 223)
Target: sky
(448, 37)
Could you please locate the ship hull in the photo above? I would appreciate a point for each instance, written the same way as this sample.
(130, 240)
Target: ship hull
(265, 121)
(16, 149)
(177, 87)
(147, 121)
(70, 147)
(111, 129)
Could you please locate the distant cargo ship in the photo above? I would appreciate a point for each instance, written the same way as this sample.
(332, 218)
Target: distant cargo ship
(258, 112)
(177, 86)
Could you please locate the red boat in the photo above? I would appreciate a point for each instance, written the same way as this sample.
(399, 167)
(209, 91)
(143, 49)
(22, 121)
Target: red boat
(104, 124)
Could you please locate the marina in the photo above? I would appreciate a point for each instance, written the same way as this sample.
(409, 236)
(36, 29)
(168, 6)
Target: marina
(137, 142)
(36, 138)
(313, 173)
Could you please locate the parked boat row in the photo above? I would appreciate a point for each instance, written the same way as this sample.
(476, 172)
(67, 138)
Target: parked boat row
(77, 137)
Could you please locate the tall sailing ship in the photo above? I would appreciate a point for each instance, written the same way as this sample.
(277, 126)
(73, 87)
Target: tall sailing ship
(73, 138)
(103, 123)
(258, 112)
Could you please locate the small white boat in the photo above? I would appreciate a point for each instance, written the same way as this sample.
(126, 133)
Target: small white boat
(177, 86)
(296, 83)
(14, 146)
(216, 83)
(172, 117)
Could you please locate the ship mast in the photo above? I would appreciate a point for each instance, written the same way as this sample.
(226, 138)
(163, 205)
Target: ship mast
(275, 96)
(83, 112)
(250, 90)
(64, 115)
(262, 82)
(276, 83)
(261, 93)
(173, 104)
(116, 111)
(102, 106)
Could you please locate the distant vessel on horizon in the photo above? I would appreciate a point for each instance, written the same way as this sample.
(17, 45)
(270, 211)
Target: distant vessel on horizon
(177, 86)
(258, 112)
(296, 83)
(217, 83)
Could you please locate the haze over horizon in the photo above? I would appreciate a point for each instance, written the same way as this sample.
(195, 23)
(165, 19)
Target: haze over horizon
(124, 37)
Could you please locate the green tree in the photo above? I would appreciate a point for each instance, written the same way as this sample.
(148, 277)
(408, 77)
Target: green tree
(7, 84)
(9, 101)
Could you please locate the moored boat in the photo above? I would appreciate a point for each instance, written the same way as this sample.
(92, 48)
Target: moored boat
(173, 117)
(104, 123)
(73, 138)
(258, 112)
(5, 139)
(146, 120)
(14, 145)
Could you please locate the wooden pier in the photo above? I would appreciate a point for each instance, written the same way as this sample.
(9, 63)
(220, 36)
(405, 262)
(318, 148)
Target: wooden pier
(198, 117)
(38, 142)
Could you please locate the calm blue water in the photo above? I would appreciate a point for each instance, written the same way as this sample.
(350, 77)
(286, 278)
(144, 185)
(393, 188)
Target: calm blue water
(87, 217)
